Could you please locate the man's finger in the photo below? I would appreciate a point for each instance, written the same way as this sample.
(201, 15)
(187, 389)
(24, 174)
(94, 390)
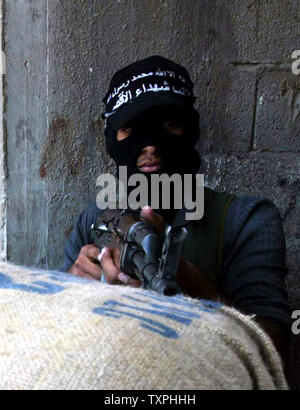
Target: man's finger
(77, 271)
(155, 219)
(127, 280)
(84, 268)
(89, 267)
(110, 269)
(87, 261)
(91, 251)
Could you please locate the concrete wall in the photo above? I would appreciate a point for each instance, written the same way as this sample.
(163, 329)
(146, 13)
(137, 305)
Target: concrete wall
(252, 138)
(2, 152)
(60, 57)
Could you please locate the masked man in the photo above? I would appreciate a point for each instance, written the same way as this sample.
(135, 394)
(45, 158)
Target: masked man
(236, 252)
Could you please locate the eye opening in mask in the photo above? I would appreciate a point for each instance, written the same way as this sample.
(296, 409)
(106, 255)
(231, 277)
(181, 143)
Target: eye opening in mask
(124, 132)
(168, 121)
(172, 125)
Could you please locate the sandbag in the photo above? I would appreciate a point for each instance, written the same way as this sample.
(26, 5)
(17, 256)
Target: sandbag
(60, 332)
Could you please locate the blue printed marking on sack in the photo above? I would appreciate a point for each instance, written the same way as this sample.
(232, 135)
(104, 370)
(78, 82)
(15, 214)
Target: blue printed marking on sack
(61, 277)
(116, 310)
(183, 301)
(203, 305)
(41, 287)
(112, 308)
(146, 323)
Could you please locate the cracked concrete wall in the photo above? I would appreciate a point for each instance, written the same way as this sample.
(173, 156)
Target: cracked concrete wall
(251, 140)
(60, 57)
(2, 153)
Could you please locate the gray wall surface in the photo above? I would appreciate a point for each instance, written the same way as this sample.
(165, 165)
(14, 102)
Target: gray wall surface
(60, 55)
(3, 175)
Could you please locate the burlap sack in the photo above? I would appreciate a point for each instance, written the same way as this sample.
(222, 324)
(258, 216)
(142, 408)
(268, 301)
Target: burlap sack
(61, 332)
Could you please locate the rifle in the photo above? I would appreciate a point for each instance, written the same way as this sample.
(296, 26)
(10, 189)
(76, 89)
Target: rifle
(143, 253)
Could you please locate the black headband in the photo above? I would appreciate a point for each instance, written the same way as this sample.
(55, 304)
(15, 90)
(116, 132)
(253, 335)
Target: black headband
(154, 81)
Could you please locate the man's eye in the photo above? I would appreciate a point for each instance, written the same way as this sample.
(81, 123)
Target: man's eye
(173, 127)
(127, 129)
(123, 133)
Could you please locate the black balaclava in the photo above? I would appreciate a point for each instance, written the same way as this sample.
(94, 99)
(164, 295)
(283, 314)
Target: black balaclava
(142, 93)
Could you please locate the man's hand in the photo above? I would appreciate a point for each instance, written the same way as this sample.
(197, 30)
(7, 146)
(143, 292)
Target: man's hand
(108, 259)
(91, 263)
(86, 264)
(190, 278)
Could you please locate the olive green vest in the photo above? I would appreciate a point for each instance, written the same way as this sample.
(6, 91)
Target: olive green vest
(203, 245)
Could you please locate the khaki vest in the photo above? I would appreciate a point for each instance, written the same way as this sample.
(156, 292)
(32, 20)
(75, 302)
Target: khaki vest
(203, 245)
